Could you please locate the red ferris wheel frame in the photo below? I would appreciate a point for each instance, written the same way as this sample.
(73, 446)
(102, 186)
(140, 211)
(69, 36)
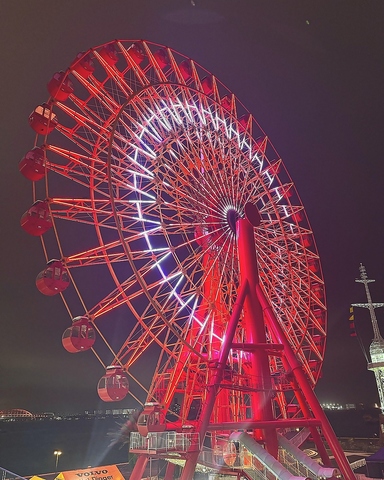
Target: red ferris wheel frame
(149, 166)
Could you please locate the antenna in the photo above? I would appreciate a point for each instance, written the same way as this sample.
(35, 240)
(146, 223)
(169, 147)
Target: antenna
(376, 348)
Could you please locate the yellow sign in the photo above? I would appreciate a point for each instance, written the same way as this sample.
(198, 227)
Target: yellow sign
(110, 472)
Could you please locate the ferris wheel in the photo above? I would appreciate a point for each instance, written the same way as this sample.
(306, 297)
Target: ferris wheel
(143, 165)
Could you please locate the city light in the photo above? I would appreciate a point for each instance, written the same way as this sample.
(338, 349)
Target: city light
(57, 454)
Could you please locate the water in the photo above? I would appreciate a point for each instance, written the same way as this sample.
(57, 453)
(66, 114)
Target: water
(26, 447)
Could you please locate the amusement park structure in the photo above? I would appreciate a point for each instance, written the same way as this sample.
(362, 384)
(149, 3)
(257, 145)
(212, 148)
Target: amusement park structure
(186, 263)
(376, 348)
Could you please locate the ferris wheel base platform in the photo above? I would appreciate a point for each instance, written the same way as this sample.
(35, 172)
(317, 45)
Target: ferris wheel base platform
(252, 460)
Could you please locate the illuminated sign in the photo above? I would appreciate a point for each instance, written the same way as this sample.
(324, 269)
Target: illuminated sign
(110, 472)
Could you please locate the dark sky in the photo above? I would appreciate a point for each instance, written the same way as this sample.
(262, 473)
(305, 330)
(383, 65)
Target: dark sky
(312, 73)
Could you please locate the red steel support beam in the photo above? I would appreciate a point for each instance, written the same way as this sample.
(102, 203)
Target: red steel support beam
(213, 388)
(309, 394)
(255, 328)
(139, 468)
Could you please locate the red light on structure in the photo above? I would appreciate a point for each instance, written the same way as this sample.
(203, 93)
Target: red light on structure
(37, 219)
(83, 65)
(53, 279)
(114, 385)
(60, 86)
(43, 120)
(32, 164)
(80, 336)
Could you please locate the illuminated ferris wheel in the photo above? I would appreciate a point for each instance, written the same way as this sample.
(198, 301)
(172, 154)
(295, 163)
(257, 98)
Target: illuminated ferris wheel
(143, 167)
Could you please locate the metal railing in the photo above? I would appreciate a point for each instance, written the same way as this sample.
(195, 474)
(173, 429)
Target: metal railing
(164, 442)
(293, 465)
(7, 475)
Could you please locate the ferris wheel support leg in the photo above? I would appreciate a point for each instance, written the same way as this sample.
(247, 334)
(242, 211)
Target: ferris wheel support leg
(169, 473)
(303, 383)
(314, 432)
(139, 468)
(254, 318)
(213, 388)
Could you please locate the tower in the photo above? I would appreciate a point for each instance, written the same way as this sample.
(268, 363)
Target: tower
(376, 348)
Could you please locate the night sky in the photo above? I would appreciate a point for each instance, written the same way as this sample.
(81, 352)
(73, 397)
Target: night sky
(311, 72)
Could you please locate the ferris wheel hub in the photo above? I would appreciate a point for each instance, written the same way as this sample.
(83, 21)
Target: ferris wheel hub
(232, 217)
(252, 214)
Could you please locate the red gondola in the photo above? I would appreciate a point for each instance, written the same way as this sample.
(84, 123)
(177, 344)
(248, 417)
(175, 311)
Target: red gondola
(109, 54)
(207, 85)
(226, 102)
(114, 385)
(261, 145)
(320, 316)
(53, 279)
(185, 69)
(318, 290)
(137, 53)
(244, 121)
(306, 240)
(32, 164)
(37, 219)
(313, 265)
(151, 419)
(297, 217)
(60, 87)
(161, 57)
(83, 65)
(229, 453)
(80, 336)
(43, 120)
(313, 365)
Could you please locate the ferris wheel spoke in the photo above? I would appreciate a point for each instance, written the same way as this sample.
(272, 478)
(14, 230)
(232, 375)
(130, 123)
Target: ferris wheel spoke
(155, 332)
(98, 113)
(126, 291)
(97, 94)
(93, 125)
(76, 160)
(81, 178)
(83, 210)
(86, 259)
(84, 139)
(139, 73)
